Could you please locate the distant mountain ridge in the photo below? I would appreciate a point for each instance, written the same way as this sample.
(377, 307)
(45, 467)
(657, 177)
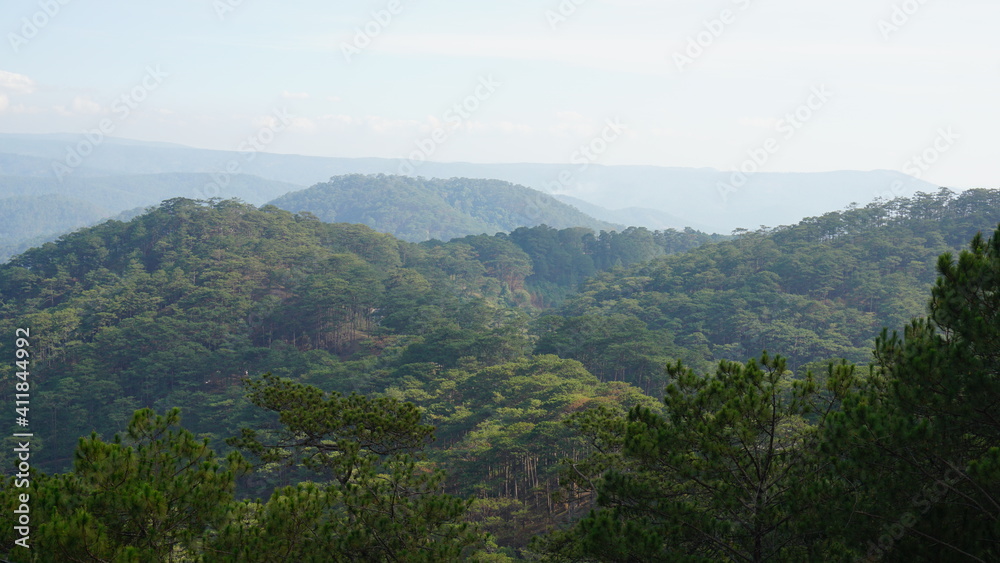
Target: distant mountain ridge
(37, 209)
(120, 192)
(418, 209)
(698, 196)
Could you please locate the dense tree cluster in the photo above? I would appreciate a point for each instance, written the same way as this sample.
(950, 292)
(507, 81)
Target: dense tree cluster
(175, 307)
(755, 463)
(816, 291)
(426, 402)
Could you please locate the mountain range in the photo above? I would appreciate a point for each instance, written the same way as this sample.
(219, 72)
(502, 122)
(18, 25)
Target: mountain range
(48, 188)
(704, 198)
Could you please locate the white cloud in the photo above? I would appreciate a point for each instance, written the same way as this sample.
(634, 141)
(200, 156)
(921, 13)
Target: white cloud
(85, 106)
(334, 99)
(295, 95)
(4, 102)
(79, 106)
(303, 124)
(18, 83)
(27, 110)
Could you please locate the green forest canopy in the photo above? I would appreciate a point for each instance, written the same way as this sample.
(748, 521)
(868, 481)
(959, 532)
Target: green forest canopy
(178, 306)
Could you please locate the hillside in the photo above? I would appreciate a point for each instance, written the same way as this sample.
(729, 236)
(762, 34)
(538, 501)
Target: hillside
(816, 291)
(174, 305)
(417, 209)
(188, 304)
(177, 306)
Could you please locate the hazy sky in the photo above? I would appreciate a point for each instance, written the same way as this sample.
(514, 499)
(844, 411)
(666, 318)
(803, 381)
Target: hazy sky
(798, 85)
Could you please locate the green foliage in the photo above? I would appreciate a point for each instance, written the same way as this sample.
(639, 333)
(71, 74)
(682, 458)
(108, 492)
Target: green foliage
(334, 435)
(185, 305)
(175, 307)
(418, 209)
(924, 431)
(712, 478)
(501, 433)
(818, 291)
(901, 465)
(615, 347)
(381, 505)
(563, 259)
(148, 497)
(394, 515)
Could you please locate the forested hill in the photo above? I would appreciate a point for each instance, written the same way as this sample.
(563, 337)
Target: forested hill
(178, 306)
(189, 304)
(818, 290)
(184, 300)
(418, 209)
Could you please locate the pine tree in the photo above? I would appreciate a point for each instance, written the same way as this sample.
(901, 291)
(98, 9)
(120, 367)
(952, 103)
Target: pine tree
(919, 447)
(375, 500)
(716, 477)
(150, 496)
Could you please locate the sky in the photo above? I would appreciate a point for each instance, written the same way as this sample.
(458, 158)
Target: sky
(792, 85)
